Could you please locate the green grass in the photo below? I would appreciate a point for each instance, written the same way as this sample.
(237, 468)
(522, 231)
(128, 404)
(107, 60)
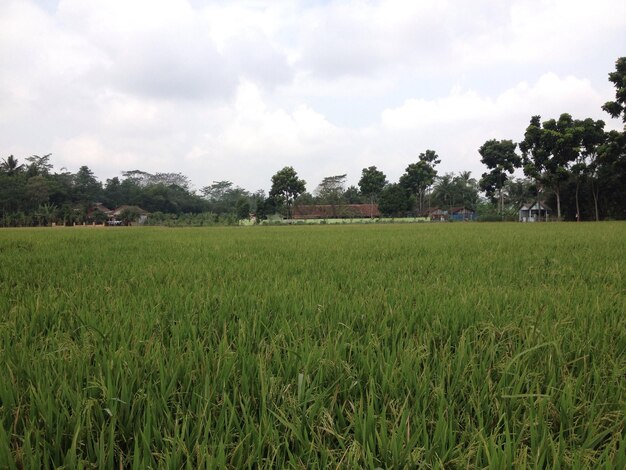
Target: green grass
(413, 345)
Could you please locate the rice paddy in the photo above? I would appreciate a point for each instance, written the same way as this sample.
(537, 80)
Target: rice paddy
(356, 346)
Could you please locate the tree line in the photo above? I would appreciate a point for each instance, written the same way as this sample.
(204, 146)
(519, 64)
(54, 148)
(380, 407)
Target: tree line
(32, 194)
(573, 165)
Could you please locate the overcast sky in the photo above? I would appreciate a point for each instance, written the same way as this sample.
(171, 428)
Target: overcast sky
(236, 90)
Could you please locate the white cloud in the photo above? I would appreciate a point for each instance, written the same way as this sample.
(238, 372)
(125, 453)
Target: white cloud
(550, 95)
(154, 48)
(545, 31)
(36, 56)
(267, 138)
(456, 125)
(258, 59)
(361, 38)
(237, 90)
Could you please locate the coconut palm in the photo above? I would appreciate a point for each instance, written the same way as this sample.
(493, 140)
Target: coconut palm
(10, 166)
(445, 190)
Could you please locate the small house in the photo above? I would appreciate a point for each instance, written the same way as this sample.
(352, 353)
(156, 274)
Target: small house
(436, 213)
(99, 213)
(461, 214)
(534, 212)
(99, 207)
(143, 214)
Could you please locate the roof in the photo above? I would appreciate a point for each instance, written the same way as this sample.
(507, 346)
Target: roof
(323, 211)
(463, 209)
(435, 211)
(120, 209)
(98, 206)
(532, 206)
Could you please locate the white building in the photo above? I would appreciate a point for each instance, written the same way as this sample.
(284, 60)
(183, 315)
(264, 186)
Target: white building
(534, 211)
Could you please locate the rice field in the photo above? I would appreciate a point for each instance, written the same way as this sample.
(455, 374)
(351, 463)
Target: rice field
(356, 346)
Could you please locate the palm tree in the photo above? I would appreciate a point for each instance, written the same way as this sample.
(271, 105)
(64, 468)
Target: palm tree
(444, 190)
(519, 191)
(466, 178)
(467, 189)
(46, 213)
(10, 167)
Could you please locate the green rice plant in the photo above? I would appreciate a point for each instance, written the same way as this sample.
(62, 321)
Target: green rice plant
(363, 345)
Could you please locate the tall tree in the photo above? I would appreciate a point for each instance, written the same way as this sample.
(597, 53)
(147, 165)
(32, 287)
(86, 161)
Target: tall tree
(519, 191)
(466, 178)
(612, 154)
(113, 193)
(286, 186)
(534, 153)
(394, 200)
(223, 196)
(12, 191)
(87, 189)
(563, 137)
(352, 195)
(11, 166)
(39, 166)
(330, 191)
(618, 78)
(217, 190)
(37, 191)
(611, 168)
(257, 204)
(371, 184)
(305, 199)
(548, 152)
(467, 189)
(586, 165)
(138, 177)
(419, 177)
(143, 178)
(445, 191)
(169, 179)
(61, 187)
(242, 208)
(500, 157)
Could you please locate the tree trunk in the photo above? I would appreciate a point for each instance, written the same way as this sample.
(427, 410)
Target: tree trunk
(577, 204)
(501, 199)
(538, 203)
(594, 191)
(558, 204)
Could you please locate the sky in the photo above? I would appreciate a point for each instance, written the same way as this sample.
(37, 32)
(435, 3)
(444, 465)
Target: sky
(236, 90)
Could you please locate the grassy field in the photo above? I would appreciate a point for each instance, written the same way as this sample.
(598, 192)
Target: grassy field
(424, 345)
